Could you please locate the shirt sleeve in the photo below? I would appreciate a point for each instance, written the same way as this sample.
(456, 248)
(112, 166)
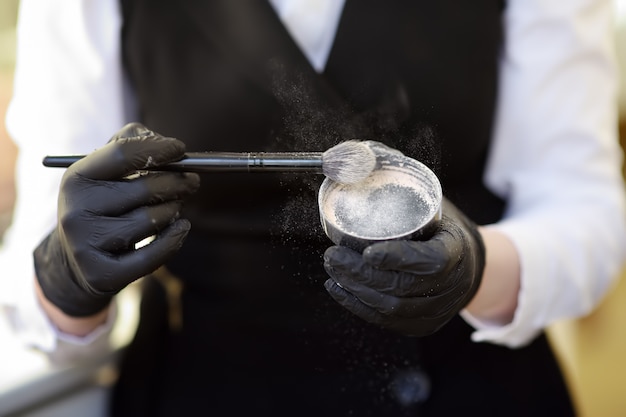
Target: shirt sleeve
(68, 98)
(556, 160)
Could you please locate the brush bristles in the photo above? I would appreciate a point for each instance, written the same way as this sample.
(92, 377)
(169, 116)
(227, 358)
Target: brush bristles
(348, 162)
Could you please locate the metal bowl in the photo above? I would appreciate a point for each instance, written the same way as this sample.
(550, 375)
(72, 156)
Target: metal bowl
(401, 199)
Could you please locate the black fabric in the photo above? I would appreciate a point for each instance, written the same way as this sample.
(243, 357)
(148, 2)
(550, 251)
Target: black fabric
(260, 335)
(252, 342)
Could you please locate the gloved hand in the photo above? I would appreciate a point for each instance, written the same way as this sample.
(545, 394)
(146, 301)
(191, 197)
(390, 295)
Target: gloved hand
(413, 287)
(103, 212)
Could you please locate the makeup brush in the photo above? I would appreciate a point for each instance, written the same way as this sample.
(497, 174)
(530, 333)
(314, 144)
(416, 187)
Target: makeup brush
(348, 162)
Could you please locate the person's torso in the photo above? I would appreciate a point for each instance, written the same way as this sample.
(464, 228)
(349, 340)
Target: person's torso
(419, 76)
(226, 76)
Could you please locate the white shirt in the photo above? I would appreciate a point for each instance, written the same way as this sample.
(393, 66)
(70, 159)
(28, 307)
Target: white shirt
(555, 156)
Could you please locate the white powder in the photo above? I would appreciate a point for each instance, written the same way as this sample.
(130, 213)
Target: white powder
(390, 203)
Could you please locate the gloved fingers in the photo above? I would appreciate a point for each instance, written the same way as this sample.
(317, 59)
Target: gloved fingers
(428, 257)
(345, 259)
(124, 156)
(114, 198)
(342, 262)
(164, 186)
(117, 234)
(456, 231)
(400, 306)
(119, 270)
(411, 326)
(350, 302)
(131, 130)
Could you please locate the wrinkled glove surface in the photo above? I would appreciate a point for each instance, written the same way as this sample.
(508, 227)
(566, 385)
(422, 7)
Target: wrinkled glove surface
(412, 287)
(103, 211)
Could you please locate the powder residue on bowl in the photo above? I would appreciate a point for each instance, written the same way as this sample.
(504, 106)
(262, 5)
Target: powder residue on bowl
(387, 205)
(385, 212)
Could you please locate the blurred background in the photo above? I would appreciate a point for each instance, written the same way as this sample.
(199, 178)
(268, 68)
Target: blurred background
(8, 16)
(591, 349)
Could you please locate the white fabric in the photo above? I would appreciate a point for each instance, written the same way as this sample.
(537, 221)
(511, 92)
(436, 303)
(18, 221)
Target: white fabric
(557, 161)
(555, 157)
(312, 24)
(67, 99)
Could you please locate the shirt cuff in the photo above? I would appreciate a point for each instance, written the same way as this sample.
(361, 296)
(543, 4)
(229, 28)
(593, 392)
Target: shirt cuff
(509, 335)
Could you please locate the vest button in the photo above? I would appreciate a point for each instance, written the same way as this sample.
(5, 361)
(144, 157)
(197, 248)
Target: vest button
(410, 386)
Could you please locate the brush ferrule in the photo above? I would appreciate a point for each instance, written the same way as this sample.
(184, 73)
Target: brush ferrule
(285, 162)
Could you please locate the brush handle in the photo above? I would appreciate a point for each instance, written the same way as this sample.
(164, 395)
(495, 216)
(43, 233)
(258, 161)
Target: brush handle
(225, 162)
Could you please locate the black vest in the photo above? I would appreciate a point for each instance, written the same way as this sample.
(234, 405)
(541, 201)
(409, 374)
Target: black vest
(259, 330)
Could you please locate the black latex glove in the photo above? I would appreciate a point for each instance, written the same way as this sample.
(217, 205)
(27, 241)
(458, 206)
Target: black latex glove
(413, 287)
(103, 211)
